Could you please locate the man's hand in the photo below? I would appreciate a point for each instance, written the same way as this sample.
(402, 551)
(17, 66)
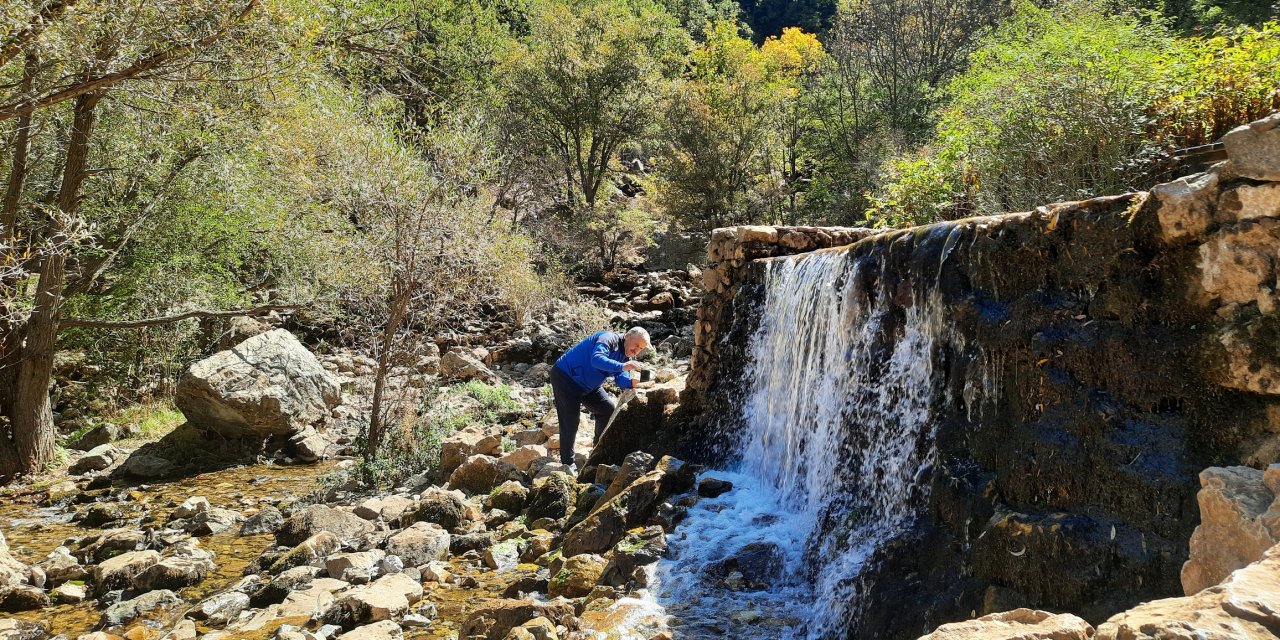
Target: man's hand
(642, 385)
(631, 365)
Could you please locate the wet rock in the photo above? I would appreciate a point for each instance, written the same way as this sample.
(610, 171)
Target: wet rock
(317, 518)
(456, 365)
(551, 497)
(477, 541)
(110, 543)
(436, 571)
(480, 473)
(635, 464)
(308, 445)
(60, 566)
(190, 507)
(536, 629)
(1019, 624)
(386, 598)
(220, 609)
(1244, 607)
(147, 466)
(96, 459)
(357, 567)
(608, 523)
(100, 514)
(23, 597)
(388, 508)
(288, 581)
(61, 492)
(213, 521)
(69, 593)
(503, 555)
(384, 630)
(714, 487)
(129, 610)
(636, 550)
(267, 385)
(1239, 522)
(577, 576)
(267, 520)
(758, 563)
(1254, 149)
(441, 507)
(174, 573)
(509, 497)
(119, 572)
(494, 619)
(183, 630)
(420, 543)
(314, 548)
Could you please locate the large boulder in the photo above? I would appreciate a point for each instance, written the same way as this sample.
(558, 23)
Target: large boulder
(1254, 149)
(120, 571)
(1019, 624)
(480, 473)
(577, 576)
(1245, 607)
(445, 508)
(316, 518)
(456, 365)
(1239, 522)
(267, 385)
(493, 619)
(420, 544)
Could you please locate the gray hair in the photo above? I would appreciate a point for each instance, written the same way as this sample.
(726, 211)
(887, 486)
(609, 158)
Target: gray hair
(640, 332)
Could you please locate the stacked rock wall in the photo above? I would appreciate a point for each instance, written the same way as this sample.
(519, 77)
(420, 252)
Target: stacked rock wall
(1105, 352)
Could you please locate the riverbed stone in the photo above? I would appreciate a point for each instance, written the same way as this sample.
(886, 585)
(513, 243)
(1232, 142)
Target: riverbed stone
(100, 514)
(69, 593)
(220, 609)
(98, 458)
(286, 582)
(190, 507)
(119, 572)
(267, 385)
(386, 598)
(146, 466)
(356, 567)
(382, 630)
(1018, 624)
(551, 497)
(420, 543)
(509, 497)
(388, 508)
(577, 576)
(174, 573)
(23, 597)
(494, 619)
(314, 548)
(129, 610)
(445, 508)
(1239, 522)
(268, 519)
(317, 518)
(60, 566)
(480, 473)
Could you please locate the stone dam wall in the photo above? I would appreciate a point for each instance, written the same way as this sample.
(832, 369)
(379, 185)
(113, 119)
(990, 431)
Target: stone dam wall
(1103, 353)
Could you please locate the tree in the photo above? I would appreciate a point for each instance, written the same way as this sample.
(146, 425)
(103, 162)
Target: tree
(585, 83)
(75, 63)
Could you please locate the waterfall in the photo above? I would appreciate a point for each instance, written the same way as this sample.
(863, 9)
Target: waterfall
(833, 452)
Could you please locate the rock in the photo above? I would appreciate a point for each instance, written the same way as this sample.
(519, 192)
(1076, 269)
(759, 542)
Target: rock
(183, 630)
(308, 445)
(420, 543)
(213, 521)
(1019, 624)
(436, 571)
(536, 629)
(1254, 149)
(318, 546)
(480, 473)
(69, 593)
(100, 514)
(714, 487)
(267, 520)
(665, 375)
(129, 610)
(267, 385)
(607, 524)
(441, 507)
(141, 465)
(316, 518)
(459, 446)
(110, 543)
(494, 619)
(190, 507)
(1239, 522)
(634, 465)
(386, 598)
(220, 609)
(551, 497)
(384, 630)
(120, 571)
(174, 573)
(577, 576)
(509, 497)
(632, 552)
(388, 508)
(463, 543)
(1249, 202)
(456, 365)
(23, 597)
(1245, 607)
(1185, 207)
(62, 491)
(1237, 264)
(96, 459)
(21, 630)
(60, 566)
(523, 457)
(758, 563)
(502, 556)
(1251, 364)
(288, 581)
(357, 567)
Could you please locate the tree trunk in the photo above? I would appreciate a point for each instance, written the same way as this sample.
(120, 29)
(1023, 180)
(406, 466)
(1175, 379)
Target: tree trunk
(31, 420)
(18, 166)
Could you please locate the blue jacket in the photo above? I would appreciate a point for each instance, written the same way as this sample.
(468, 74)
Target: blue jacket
(597, 357)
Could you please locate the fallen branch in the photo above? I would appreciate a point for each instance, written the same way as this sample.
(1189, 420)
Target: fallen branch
(90, 323)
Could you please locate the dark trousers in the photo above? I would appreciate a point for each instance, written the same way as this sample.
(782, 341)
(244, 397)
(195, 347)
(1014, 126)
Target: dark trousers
(570, 398)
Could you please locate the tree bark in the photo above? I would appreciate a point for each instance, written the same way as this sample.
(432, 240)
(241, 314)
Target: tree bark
(31, 420)
(18, 168)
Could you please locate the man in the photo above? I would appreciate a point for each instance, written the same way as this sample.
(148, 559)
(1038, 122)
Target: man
(577, 380)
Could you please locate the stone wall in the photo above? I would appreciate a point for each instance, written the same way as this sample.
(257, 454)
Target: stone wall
(1104, 353)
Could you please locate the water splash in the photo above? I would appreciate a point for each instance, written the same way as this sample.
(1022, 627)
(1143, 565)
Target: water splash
(832, 459)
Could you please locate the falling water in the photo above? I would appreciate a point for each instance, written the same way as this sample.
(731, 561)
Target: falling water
(832, 457)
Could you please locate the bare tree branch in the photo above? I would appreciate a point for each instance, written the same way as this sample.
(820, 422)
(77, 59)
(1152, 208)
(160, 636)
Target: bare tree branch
(13, 46)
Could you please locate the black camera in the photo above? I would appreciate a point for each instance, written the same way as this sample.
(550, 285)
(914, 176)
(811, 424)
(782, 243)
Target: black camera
(646, 375)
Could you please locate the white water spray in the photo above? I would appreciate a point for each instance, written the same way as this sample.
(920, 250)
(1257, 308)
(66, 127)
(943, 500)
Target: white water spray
(832, 459)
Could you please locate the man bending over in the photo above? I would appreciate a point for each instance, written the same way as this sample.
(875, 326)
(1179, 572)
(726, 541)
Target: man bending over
(577, 380)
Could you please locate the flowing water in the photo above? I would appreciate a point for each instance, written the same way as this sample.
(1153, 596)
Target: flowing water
(835, 445)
